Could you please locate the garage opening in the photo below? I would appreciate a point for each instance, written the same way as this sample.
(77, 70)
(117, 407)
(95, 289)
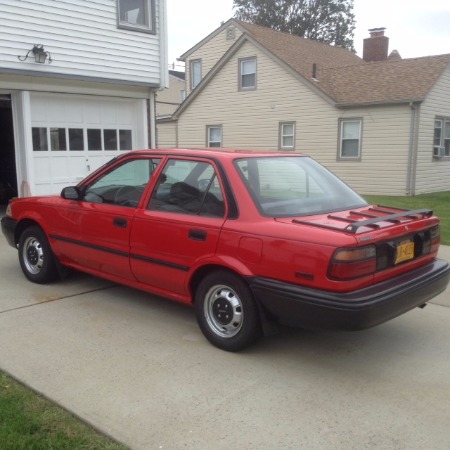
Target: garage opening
(8, 173)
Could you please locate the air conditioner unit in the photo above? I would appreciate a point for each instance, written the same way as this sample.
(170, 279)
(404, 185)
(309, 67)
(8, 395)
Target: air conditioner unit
(439, 152)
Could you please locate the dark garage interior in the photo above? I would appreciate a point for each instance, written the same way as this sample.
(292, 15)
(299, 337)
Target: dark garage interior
(8, 175)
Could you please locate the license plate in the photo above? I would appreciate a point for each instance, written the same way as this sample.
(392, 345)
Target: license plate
(405, 251)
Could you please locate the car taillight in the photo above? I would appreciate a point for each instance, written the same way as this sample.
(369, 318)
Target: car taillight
(349, 263)
(435, 234)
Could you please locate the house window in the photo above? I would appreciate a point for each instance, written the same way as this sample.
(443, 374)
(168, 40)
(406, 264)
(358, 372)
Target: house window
(214, 136)
(247, 74)
(136, 15)
(196, 72)
(441, 141)
(287, 135)
(350, 139)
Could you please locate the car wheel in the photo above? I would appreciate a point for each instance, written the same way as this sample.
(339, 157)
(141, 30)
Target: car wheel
(227, 312)
(36, 257)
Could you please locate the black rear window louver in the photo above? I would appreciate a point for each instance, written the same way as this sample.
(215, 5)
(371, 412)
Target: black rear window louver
(373, 220)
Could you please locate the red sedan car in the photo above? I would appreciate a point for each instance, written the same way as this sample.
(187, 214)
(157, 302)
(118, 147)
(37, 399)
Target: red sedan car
(248, 238)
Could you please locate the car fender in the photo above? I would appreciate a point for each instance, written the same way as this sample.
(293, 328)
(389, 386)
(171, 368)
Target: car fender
(224, 262)
(31, 218)
(215, 262)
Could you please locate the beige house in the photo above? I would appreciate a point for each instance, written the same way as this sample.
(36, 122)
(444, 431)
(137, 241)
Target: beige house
(381, 123)
(170, 98)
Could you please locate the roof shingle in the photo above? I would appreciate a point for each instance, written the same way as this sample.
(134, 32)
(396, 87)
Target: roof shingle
(346, 78)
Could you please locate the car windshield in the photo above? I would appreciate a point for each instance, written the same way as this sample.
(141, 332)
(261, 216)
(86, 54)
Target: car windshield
(284, 186)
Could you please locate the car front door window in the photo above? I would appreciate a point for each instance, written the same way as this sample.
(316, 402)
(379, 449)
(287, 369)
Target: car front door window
(124, 185)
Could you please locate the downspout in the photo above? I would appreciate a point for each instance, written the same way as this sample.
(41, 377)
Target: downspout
(152, 113)
(412, 150)
(163, 69)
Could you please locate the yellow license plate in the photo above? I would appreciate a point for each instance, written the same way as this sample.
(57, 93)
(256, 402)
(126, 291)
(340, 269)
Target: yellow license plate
(405, 251)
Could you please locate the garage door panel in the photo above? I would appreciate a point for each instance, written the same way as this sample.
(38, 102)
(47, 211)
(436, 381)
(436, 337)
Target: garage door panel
(75, 113)
(42, 170)
(92, 114)
(38, 112)
(77, 168)
(64, 153)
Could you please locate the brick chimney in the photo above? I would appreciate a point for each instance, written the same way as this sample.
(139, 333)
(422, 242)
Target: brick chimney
(376, 46)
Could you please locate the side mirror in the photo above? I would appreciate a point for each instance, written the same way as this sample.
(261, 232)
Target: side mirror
(71, 193)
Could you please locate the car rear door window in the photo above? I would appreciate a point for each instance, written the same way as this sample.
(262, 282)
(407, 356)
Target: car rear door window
(188, 187)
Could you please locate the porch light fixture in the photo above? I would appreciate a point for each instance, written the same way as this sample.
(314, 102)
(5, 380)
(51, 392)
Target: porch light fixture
(40, 55)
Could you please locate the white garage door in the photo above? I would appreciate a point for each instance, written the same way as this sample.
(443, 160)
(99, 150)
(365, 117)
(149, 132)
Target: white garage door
(73, 135)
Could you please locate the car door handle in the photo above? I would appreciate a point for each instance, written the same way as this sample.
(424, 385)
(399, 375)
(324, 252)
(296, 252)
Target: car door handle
(120, 222)
(197, 235)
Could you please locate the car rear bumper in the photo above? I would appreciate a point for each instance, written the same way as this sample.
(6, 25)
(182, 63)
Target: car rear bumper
(311, 308)
(9, 229)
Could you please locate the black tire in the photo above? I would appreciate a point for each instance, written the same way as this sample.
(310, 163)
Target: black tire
(36, 257)
(227, 312)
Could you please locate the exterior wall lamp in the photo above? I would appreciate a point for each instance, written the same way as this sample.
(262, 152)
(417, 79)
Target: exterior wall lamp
(40, 55)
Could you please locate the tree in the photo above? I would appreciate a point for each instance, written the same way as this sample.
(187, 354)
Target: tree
(328, 21)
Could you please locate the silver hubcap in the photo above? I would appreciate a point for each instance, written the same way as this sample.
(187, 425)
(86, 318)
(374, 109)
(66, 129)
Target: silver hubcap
(223, 311)
(33, 255)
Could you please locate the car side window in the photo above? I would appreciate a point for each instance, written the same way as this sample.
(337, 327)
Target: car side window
(188, 187)
(123, 185)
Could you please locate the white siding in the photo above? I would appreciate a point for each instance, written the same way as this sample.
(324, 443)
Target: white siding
(251, 120)
(83, 40)
(433, 175)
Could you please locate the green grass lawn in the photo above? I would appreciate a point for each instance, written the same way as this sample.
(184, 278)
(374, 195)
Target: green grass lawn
(30, 422)
(439, 202)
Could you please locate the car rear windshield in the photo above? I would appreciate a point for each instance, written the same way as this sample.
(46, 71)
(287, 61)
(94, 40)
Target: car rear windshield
(283, 186)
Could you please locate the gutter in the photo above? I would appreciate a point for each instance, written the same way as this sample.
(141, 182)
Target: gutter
(379, 103)
(71, 77)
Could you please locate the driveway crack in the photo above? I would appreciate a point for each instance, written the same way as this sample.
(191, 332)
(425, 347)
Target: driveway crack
(57, 298)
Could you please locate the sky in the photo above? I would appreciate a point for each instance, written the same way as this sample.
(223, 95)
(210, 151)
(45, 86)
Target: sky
(414, 27)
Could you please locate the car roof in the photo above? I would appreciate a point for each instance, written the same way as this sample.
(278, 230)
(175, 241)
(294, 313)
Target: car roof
(214, 153)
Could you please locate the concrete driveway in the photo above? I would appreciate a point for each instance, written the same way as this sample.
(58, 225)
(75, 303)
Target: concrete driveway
(137, 368)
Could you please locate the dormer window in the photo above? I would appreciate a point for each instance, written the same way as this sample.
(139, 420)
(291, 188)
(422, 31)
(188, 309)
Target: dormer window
(196, 72)
(137, 15)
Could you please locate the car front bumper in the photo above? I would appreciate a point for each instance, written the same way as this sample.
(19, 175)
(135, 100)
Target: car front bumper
(9, 229)
(317, 309)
